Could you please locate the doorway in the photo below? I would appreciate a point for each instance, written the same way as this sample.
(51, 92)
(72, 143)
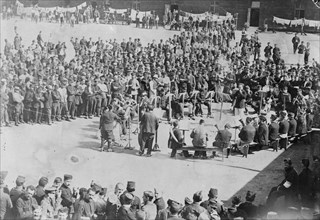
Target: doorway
(254, 17)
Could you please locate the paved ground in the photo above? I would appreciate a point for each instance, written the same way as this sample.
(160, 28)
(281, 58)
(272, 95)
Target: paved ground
(42, 150)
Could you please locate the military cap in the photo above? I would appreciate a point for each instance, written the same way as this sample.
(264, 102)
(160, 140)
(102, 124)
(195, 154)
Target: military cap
(131, 185)
(214, 192)
(67, 177)
(43, 181)
(197, 196)
(148, 194)
(50, 189)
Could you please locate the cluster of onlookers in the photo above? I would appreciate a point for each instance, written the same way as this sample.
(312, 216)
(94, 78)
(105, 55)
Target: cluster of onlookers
(61, 201)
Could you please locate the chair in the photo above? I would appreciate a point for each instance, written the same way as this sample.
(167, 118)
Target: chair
(183, 97)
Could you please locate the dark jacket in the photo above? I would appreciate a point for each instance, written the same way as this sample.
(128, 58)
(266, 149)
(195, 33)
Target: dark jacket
(25, 207)
(292, 128)
(178, 135)
(249, 209)
(283, 127)
(247, 134)
(273, 131)
(106, 120)
(66, 196)
(47, 100)
(263, 134)
(125, 213)
(149, 123)
(223, 136)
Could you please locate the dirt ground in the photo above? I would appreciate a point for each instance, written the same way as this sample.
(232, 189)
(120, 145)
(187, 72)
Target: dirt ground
(42, 150)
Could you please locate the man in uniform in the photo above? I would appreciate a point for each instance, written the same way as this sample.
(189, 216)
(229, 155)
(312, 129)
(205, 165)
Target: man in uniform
(267, 51)
(199, 139)
(262, 132)
(295, 42)
(288, 187)
(223, 139)
(26, 204)
(247, 134)
(149, 126)
(292, 125)
(106, 127)
(113, 202)
(5, 201)
(136, 202)
(67, 196)
(283, 130)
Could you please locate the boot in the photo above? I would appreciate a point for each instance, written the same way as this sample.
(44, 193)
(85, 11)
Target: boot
(228, 152)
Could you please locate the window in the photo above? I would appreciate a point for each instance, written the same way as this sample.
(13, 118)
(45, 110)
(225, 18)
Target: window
(136, 5)
(299, 13)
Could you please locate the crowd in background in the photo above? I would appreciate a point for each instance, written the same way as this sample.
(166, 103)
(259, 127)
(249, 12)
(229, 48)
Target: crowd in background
(192, 69)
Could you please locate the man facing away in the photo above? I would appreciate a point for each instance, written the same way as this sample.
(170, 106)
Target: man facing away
(199, 139)
(149, 126)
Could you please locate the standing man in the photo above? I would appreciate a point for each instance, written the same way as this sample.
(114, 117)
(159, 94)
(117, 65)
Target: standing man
(239, 102)
(199, 139)
(149, 207)
(48, 103)
(26, 204)
(267, 51)
(307, 54)
(5, 201)
(283, 130)
(106, 127)
(71, 92)
(67, 197)
(295, 42)
(149, 126)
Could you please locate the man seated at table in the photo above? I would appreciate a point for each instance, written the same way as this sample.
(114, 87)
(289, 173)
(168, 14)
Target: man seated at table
(199, 139)
(222, 139)
(246, 134)
(262, 137)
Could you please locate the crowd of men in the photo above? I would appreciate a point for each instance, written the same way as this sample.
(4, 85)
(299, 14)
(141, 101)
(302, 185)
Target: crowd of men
(38, 85)
(62, 201)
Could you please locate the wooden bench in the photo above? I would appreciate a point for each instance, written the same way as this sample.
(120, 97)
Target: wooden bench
(202, 149)
(246, 148)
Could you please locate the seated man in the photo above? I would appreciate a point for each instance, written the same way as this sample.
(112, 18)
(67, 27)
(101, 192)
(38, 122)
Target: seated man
(223, 139)
(199, 139)
(201, 100)
(283, 130)
(292, 125)
(273, 129)
(246, 134)
(262, 132)
(287, 188)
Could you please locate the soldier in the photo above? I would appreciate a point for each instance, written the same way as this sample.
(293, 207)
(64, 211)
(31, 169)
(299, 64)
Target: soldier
(288, 187)
(106, 127)
(68, 198)
(283, 130)
(17, 101)
(56, 99)
(136, 202)
(39, 190)
(149, 126)
(26, 204)
(48, 104)
(51, 203)
(295, 42)
(223, 139)
(71, 91)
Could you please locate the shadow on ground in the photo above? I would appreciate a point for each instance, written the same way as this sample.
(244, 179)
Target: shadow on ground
(272, 175)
